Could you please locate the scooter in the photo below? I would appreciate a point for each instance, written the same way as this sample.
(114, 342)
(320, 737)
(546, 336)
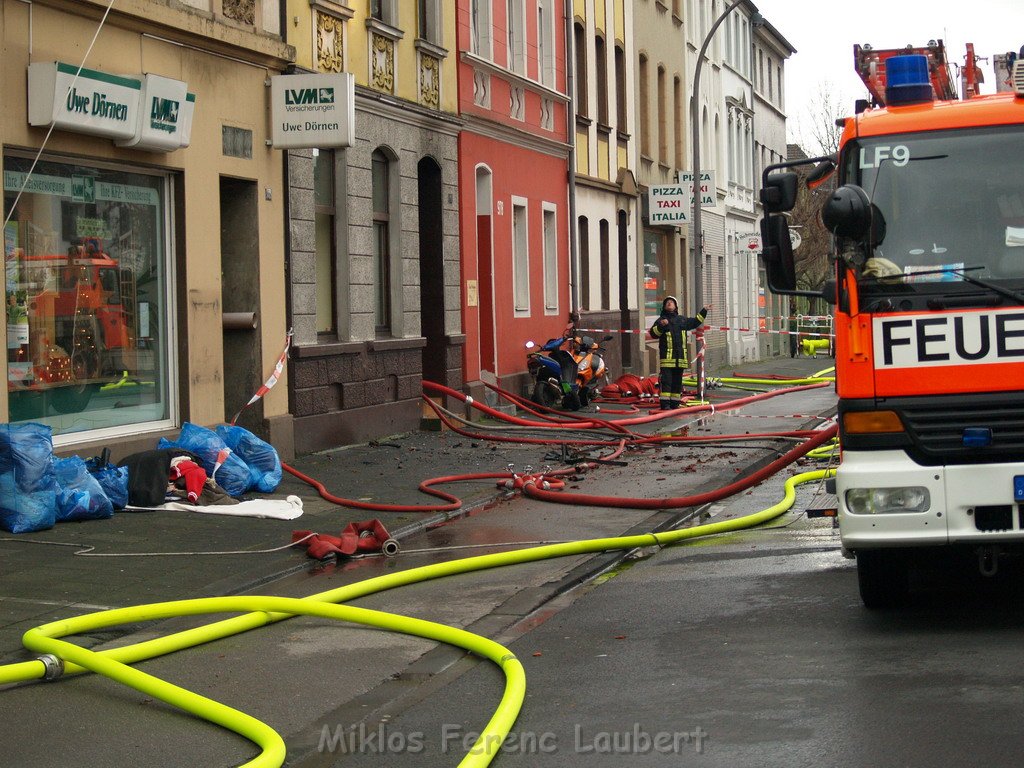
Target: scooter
(570, 378)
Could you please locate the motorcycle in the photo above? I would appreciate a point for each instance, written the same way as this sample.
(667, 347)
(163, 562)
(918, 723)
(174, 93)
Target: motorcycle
(569, 378)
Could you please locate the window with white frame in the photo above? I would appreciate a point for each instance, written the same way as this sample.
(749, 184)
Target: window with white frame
(385, 11)
(429, 22)
(520, 255)
(516, 24)
(550, 257)
(546, 42)
(480, 27)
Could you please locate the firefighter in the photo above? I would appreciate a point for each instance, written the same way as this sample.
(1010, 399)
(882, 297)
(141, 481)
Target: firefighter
(670, 331)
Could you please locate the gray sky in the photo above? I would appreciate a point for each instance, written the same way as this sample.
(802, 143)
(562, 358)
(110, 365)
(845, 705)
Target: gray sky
(824, 34)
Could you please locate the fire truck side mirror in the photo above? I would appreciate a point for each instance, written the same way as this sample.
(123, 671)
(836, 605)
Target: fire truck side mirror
(779, 192)
(777, 254)
(821, 173)
(847, 213)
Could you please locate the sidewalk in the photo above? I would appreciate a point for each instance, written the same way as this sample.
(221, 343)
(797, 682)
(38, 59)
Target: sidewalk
(43, 582)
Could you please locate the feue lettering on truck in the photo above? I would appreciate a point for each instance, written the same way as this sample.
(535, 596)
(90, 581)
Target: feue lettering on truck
(928, 248)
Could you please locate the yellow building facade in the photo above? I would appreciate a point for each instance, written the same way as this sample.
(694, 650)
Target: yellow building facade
(144, 216)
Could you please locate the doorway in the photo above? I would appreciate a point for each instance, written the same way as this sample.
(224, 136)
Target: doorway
(625, 316)
(485, 270)
(240, 292)
(431, 228)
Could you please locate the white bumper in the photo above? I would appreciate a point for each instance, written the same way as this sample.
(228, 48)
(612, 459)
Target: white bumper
(955, 492)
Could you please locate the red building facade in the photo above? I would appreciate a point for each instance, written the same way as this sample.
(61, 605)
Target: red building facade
(513, 183)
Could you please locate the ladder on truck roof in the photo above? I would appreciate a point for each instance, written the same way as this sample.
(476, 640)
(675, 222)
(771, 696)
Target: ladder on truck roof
(870, 65)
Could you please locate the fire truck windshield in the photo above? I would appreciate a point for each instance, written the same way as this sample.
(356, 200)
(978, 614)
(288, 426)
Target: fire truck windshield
(942, 202)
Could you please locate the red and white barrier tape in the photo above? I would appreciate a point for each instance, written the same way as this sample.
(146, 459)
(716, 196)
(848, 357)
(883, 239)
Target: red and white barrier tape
(272, 379)
(812, 334)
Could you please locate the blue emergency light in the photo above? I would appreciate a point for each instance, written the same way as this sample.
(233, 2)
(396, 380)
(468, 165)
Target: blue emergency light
(907, 80)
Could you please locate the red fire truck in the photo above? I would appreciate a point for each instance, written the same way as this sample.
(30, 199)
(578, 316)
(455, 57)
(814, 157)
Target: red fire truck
(928, 233)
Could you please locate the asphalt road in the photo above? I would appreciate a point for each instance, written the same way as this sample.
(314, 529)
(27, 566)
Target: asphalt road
(750, 649)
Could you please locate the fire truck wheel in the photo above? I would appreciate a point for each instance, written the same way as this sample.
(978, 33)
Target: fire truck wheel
(883, 577)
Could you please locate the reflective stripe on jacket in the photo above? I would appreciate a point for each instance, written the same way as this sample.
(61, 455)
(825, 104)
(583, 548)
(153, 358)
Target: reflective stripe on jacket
(672, 338)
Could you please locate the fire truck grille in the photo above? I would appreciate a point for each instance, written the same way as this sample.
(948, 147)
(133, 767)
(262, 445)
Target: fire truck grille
(937, 428)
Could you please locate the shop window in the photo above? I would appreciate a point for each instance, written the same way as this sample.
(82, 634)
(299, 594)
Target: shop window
(381, 172)
(89, 339)
(520, 256)
(323, 205)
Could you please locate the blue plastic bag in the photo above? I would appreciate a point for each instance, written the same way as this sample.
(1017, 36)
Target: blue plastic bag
(113, 480)
(264, 463)
(233, 475)
(79, 495)
(28, 485)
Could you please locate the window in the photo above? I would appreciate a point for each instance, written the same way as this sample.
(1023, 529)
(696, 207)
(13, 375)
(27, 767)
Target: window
(621, 100)
(520, 255)
(677, 92)
(515, 23)
(428, 20)
(323, 208)
(88, 296)
(550, 257)
(480, 27)
(546, 42)
(601, 70)
(645, 113)
(381, 183)
(384, 11)
(662, 117)
(580, 48)
(584, 249)
(771, 83)
(606, 265)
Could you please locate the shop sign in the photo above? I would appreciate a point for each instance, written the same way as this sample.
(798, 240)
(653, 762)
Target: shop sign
(153, 113)
(708, 188)
(96, 103)
(312, 111)
(165, 119)
(81, 189)
(668, 204)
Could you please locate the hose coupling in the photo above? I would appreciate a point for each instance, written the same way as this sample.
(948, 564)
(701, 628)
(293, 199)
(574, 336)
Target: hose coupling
(529, 469)
(52, 665)
(390, 547)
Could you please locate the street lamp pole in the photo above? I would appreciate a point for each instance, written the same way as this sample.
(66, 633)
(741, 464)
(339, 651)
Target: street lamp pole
(698, 232)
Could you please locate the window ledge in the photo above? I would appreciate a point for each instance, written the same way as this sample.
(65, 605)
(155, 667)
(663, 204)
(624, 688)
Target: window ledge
(337, 8)
(328, 349)
(433, 49)
(582, 121)
(381, 28)
(604, 129)
(623, 136)
(385, 345)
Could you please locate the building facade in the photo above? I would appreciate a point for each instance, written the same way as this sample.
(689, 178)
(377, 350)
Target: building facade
(771, 50)
(660, 106)
(513, 165)
(700, 17)
(735, 44)
(144, 275)
(607, 196)
(373, 230)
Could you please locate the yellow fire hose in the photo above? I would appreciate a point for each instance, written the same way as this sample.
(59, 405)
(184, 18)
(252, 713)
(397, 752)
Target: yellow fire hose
(114, 663)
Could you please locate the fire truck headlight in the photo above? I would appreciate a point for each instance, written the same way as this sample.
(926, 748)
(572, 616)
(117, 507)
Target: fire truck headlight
(876, 501)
